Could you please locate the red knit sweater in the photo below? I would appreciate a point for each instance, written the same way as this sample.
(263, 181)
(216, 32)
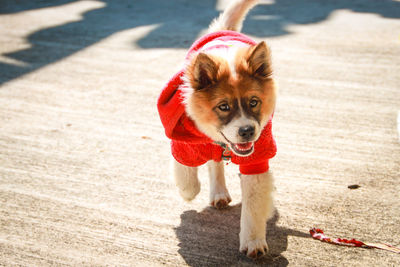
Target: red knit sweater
(191, 147)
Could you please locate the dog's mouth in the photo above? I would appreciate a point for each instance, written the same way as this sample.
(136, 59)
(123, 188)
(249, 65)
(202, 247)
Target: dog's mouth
(243, 149)
(240, 149)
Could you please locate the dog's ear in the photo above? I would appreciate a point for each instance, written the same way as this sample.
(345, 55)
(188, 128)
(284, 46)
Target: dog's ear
(259, 61)
(204, 72)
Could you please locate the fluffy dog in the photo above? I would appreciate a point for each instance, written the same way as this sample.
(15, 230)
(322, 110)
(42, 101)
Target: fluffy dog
(220, 107)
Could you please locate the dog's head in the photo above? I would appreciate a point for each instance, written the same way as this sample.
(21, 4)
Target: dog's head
(231, 98)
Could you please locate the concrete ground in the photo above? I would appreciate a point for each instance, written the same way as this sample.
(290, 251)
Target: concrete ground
(84, 160)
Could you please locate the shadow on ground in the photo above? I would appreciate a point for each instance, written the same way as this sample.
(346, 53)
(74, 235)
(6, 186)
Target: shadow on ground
(211, 238)
(176, 23)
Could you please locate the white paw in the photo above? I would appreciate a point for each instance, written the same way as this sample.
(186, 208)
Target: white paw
(220, 200)
(254, 248)
(190, 192)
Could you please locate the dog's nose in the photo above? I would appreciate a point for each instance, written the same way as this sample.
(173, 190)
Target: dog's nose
(246, 132)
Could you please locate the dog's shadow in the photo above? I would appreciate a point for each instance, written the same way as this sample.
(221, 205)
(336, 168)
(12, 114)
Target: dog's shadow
(211, 238)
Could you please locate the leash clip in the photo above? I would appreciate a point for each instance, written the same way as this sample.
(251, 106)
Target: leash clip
(227, 153)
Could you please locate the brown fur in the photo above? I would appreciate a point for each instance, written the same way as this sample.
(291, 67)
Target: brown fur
(213, 83)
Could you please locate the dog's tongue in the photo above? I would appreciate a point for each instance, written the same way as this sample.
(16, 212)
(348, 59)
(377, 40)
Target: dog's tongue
(244, 146)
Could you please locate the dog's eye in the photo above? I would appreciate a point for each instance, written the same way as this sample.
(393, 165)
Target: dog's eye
(253, 103)
(224, 107)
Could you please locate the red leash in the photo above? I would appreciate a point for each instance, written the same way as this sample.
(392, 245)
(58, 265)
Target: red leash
(319, 234)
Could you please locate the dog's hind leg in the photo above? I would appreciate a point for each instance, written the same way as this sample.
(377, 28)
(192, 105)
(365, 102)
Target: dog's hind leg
(219, 195)
(186, 180)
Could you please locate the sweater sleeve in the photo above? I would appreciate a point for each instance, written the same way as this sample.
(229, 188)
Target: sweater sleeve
(254, 168)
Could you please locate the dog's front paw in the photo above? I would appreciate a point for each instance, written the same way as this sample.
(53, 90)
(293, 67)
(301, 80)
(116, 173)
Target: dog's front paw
(220, 200)
(188, 193)
(254, 249)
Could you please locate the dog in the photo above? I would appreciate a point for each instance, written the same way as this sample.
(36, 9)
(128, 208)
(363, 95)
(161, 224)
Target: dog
(220, 107)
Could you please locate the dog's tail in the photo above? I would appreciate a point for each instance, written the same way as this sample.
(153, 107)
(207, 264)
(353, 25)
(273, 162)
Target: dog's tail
(233, 16)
